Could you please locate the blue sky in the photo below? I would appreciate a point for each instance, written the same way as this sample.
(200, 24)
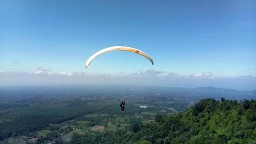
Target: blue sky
(188, 38)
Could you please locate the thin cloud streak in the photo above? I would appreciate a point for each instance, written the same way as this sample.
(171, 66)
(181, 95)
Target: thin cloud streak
(201, 75)
(46, 76)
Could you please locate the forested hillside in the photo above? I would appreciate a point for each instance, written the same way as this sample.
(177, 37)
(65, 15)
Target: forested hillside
(209, 121)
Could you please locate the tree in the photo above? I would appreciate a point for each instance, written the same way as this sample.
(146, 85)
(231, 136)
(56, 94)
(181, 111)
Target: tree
(136, 127)
(76, 139)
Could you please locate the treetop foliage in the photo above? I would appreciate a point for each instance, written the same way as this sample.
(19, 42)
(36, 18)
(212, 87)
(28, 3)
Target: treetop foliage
(209, 121)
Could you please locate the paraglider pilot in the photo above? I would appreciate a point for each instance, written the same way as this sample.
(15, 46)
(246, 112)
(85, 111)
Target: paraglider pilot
(122, 104)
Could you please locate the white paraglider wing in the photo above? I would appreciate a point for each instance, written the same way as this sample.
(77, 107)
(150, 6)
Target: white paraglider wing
(118, 48)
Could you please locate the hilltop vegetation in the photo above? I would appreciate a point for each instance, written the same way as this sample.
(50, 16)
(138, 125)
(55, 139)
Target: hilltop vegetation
(209, 121)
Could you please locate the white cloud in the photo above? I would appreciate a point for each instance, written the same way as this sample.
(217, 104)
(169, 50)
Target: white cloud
(11, 70)
(201, 75)
(172, 74)
(42, 70)
(150, 72)
(249, 71)
(46, 76)
(66, 73)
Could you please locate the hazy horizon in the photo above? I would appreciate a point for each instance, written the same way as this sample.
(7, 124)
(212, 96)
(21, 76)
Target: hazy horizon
(140, 79)
(193, 43)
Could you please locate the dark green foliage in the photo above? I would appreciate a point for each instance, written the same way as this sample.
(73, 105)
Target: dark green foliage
(158, 118)
(246, 104)
(203, 104)
(136, 127)
(76, 139)
(209, 121)
(223, 99)
(59, 141)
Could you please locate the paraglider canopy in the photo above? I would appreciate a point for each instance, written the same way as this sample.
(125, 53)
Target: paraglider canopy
(118, 48)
